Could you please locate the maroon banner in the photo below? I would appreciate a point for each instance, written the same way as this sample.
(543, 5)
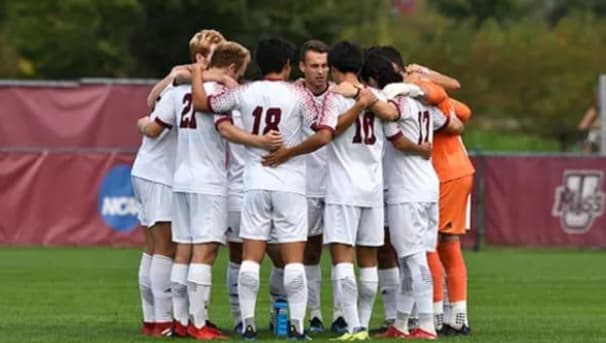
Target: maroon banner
(544, 201)
(86, 116)
(67, 199)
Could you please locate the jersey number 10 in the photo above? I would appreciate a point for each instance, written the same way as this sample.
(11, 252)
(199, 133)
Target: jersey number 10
(423, 122)
(272, 119)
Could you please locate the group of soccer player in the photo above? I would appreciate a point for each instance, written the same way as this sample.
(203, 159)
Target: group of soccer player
(370, 164)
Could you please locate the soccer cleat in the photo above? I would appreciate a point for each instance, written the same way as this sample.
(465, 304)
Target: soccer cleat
(204, 333)
(179, 330)
(450, 331)
(315, 325)
(339, 326)
(419, 333)
(163, 329)
(250, 334)
(359, 335)
(238, 328)
(383, 328)
(147, 329)
(413, 323)
(296, 336)
(392, 332)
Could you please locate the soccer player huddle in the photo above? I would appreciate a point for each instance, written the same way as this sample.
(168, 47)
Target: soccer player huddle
(370, 164)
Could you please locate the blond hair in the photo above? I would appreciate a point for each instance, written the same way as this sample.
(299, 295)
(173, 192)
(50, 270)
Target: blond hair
(228, 53)
(202, 42)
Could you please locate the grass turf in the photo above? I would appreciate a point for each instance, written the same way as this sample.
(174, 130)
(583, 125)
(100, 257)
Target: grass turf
(91, 295)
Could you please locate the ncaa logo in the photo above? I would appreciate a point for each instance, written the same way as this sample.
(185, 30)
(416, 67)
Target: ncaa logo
(579, 200)
(117, 203)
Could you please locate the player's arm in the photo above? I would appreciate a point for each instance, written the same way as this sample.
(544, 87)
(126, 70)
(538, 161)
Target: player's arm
(462, 111)
(402, 143)
(151, 128)
(432, 93)
(223, 102)
(434, 76)
(445, 119)
(270, 141)
(309, 145)
(364, 99)
(178, 73)
(386, 110)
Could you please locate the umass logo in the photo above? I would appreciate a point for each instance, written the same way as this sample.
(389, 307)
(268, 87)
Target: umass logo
(579, 200)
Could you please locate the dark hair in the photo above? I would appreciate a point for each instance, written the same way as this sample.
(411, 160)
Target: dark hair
(393, 55)
(312, 45)
(380, 68)
(273, 54)
(345, 57)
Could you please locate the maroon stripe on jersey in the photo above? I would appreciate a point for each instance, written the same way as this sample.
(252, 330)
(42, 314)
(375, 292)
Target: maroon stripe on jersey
(395, 103)
(396, 136)
(222, 120)
(163, 124)
(325, 127)
(443, 126)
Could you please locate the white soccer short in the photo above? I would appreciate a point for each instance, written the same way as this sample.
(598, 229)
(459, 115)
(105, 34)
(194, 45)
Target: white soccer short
(354, 225)
(413, 227)
(315, 214)
(272, 215)
(234, 212)
(155, 201)
(199, 218)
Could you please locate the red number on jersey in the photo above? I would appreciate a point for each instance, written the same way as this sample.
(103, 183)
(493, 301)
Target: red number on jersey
(273, 115)
(188, 117)
(423, 121)
(365, 126)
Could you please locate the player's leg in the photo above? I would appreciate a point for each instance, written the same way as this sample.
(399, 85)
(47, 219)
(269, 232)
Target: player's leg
(145, 291)
(290, 229)
(340, 227)
(181, 235)
(232, 236)
(161, 267)
(277, 292)
(209, 220)
(313, 271)
(255, 231)
(455, 195)
(389, 279)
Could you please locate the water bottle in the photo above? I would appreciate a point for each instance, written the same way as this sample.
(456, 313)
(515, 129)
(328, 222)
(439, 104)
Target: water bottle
(281, 318)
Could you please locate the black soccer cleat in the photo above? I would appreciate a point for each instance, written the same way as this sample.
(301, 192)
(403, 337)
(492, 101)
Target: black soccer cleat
(448, 330)
(294, 335)
(339, 326)
(250, 334)
(315, 325)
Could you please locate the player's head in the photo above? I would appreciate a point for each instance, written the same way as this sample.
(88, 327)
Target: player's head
(394, 56)
(313, 63)
(274, 56)
(378, 71)
(202, 44)
(344, 57)
(232, 57)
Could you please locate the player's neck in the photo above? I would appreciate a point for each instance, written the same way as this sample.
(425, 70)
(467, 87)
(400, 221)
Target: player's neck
(315, 90)
(274, 77)
(351, 78)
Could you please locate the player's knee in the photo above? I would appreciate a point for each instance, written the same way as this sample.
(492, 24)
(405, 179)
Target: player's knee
(249, 275)
(294, 277)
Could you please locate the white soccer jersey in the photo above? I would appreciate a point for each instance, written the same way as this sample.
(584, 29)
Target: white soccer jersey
(273, 105)
(200, 158)
(411, 178)
(316, 162)
(236, 162)
(155, 159)
(355, 172)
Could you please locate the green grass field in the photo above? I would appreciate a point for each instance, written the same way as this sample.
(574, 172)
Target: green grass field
(90, 295)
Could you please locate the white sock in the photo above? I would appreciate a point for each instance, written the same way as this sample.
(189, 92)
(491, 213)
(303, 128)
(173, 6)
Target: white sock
(369, 282)
(248, 288)
(314, 286)
(159, 275)
(145, 290)
(232, 287)
(178, 287)
(348, 294)
(438, 315)
(405, 295)
(422, 286)
(199, 281)
(446, 308)
(389, 280)
(295, 284)
(276, 284)
(458, 314)
(401, 322)
(336, 308)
